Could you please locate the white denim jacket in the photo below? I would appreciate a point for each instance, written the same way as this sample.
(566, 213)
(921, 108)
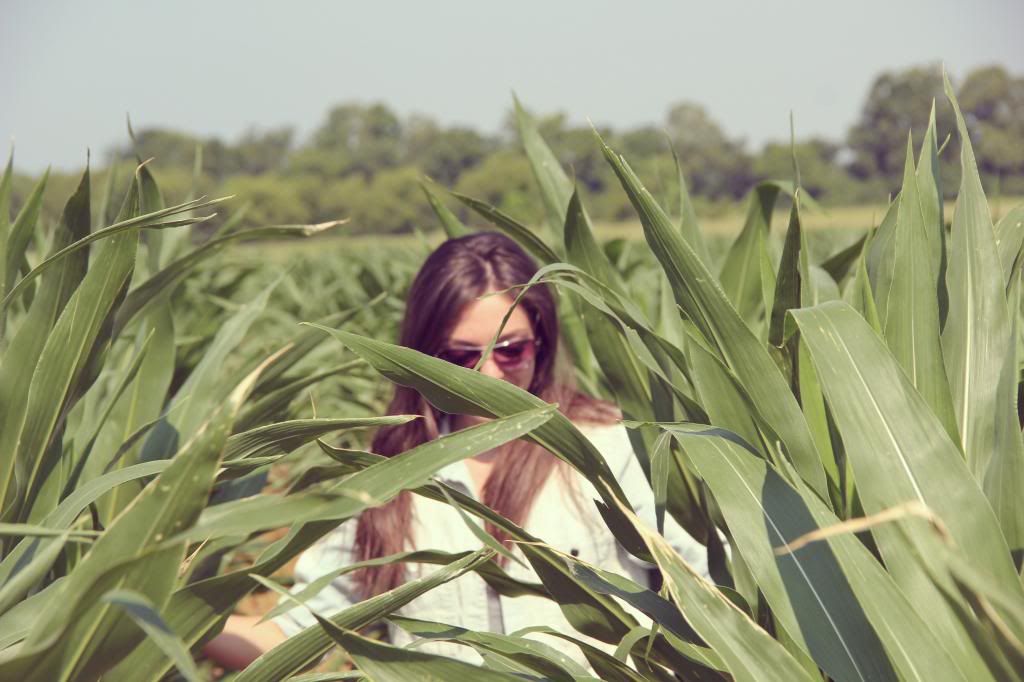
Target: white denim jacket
(566, 521)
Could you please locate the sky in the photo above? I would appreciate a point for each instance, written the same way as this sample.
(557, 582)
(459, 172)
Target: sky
(71, 70)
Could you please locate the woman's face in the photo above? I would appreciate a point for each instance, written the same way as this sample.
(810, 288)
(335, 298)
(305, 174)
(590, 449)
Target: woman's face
(513, 358)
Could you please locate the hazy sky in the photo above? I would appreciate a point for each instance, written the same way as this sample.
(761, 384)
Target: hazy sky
(70, 70)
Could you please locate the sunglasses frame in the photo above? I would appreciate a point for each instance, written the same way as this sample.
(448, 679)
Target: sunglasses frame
(480, 350)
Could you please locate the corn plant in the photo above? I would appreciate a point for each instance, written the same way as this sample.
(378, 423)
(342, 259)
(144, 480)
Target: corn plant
(851, 426)
(113, 451)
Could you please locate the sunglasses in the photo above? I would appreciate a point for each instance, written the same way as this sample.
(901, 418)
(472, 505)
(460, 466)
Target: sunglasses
(508, 355)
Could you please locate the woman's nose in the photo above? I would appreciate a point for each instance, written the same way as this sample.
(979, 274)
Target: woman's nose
(491, 369)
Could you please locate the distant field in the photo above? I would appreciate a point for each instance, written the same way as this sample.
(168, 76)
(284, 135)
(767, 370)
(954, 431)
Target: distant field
(834, 225)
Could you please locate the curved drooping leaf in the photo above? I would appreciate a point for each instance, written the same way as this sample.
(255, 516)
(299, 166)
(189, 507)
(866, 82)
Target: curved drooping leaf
(388, 663)
(522, 654)
(706, 305)
(368, 488)
(193, 611)
(309, 645)
(284, 437)
(458, 390)
(513, 228)
(164, 281)
(145, 615)
(156, 220)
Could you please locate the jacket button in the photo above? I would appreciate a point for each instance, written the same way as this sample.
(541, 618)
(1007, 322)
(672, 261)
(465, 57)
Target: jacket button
(574, 552)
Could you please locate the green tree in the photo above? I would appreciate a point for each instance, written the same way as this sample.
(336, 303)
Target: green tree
(355, 138)
(715, 165)
(897, 102)
(821, 174)
(504, 180)
(444, 153)
(257, 152)
(993, 102)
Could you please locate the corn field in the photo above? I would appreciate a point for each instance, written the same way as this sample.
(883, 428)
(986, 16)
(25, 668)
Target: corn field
(850, 425)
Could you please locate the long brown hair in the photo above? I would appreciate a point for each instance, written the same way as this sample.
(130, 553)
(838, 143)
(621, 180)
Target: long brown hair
(454, 275)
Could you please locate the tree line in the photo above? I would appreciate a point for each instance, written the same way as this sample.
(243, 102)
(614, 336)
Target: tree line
(366, 162)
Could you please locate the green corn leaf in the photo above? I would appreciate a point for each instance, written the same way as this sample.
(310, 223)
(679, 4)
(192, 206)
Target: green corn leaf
(858, 293)
(588, 611)
(451, 225)
(1004, 476)
(791, 282)
(688, 217)
(20, 357)
(39, 558)
(284, 437)
(303, 343)
(880, 261)
(387, 663)
(625, 377)
(274, 404)
(164, 281)
(309, 645)
(6, 181)
(145, 615)
(19, 236)
(911, 322)
(841, 263)
(17, 621)
(458, 390)
(62, 362)
(1010, 240)
(526, 655)
(606, 666)
(204, 387)
(899, 450)
(534, 245)
(555, 186)
(157, 220)
(141, 406)
(92, 637)
(739, 272)
(368, 488)
(493, 574)
(975, 338)
(832, 598)
(929, 186)
(747, 651)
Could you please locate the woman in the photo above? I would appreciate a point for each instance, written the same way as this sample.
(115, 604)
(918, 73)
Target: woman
(446, 317)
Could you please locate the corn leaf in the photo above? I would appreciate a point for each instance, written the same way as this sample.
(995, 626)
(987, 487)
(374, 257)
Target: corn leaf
(832, 598)
(706, 305)
(899, 451)
(975, 338)
(747, 651)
